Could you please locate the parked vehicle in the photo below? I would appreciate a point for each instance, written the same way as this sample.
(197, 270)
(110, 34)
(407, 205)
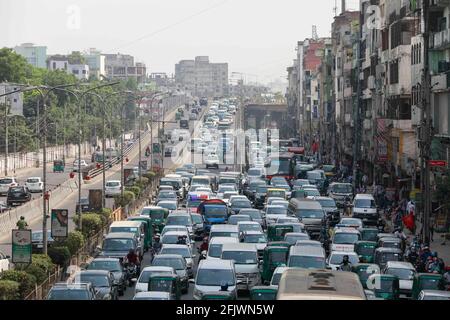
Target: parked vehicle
(6, 183)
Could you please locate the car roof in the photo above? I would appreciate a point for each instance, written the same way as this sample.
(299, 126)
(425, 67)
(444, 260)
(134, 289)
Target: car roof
(126, 223)
(168, 256)
(222, 240)
(157, 269)
(346, 230)
(106, 259)
(400, 265)
(239, 247)
(253, 232)
(248, 222)
(115, 235)
(175, 233)
(93, 272)
(216, 264)
(224, 227)
(364, 196)
(309, 251)
(349, 253)
(436, 293)
(175, 246)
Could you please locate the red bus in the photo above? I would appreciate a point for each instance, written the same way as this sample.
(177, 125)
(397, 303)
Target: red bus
(281, 165)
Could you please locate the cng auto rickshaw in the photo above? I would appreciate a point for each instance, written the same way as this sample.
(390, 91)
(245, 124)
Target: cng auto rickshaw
(273, 257)
(263, 293)
(385, 286)
(166, 283)
(369, 234)
(148, 228)
(426, 281)
(58, 166)
(158, 216)
(276, 231)
(178, 116)
(278, 244)
(364, 270)
(365, 250)
(218, 295)
(383, 255)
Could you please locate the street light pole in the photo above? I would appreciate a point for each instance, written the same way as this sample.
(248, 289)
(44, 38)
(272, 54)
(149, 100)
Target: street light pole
(6, 139)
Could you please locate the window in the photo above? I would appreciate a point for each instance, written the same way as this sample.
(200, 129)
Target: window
(54, 65)
(393, 69)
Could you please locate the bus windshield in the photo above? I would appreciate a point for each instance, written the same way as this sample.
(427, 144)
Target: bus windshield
(216, 211)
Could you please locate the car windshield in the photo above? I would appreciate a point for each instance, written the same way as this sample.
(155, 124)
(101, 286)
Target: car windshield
(156, 214)
(369, 235)
(16, 190)
(211, 277)
(336, 258)
(310, 213)
(175, 263)
(199, 181)
(32, 180)
(277, 193)
(389, 256)
(113, 266)
(366, 250)
(118, 244)
(254, 214)
(255, 238)
(240, 257)
(249, 227)
(161, 285)
(5, 181)
(170, 238)
(328, 168)
(215, 211)
(69, 294)
(402, 274)
(327, 203)
(385, 286)
(292, 238)
(346, 238)
(113, 184)
(306, 262)
(342, 188)
(241, 204)
(184, 252)
(273, 210)
(168, 205)
(235, 219)
(254, 172)
(222, 189)
(96, 280)
(37, 236)
(262, 189)
(313, 175)
(429, 284)
(364, 203)
(215, 250)
(178, 221)
(124, 229)
(167, 195)
(312, 193)
(173, 183)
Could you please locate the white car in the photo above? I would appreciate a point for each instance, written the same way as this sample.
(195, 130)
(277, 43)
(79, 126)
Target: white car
(4, 262)
(76, 165)
(34, 184)
(212, 161)
(335, 259)
(146, 273)
(6, 183)
(112, 188)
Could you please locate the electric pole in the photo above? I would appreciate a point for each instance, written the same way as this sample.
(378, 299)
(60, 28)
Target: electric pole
(357, 108)
(6, 138)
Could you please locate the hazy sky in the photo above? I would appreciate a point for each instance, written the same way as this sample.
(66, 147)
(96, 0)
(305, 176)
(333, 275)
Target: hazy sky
(256, 37)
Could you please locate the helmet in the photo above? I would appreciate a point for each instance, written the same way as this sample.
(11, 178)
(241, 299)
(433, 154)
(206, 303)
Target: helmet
(22, 218)
(131, 251)
(345, 258)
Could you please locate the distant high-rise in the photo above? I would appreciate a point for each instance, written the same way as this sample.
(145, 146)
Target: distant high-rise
(35, 55)
(202, 78)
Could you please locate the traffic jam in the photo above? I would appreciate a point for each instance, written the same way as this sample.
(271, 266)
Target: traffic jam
(262, 230)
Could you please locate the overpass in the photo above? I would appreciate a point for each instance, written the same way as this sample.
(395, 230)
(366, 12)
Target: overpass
(266, 116)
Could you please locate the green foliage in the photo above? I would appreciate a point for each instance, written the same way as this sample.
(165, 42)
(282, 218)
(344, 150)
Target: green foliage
(91, 223)
(36, 271)
(59, 255)
(44, 262)
(9, 290)
(26, 281)
(76, 58)
(74, 242)
(128, 197)
(142, 183)
(149, 175)
(13, 67)
(135, 189)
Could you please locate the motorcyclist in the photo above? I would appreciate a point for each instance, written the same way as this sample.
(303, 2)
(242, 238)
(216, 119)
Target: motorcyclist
(346, 264)
(181, 240)
(413, 256)
(133, 259)
(156, 244)
(204, 245)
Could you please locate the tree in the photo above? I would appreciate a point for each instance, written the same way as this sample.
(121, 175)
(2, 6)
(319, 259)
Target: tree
(13, 67)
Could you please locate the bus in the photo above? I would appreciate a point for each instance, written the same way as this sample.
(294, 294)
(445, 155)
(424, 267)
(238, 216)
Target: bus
(319, 284)
(281, 165)
(214, 211)
(110, 154)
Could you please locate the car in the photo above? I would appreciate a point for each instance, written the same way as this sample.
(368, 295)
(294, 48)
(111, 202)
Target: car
(405, 272)
(76, 165)
(212, 275)
(166, 195)
(276, 277)
(34, 184)
(113, 188)
(180, 218)
(272, 213)
(4, 262)
(335, 259)
(181, 228)
(351, 222)
(434, 295)
(313, 243)
(170, 205)
(293, 237)
(340, 191)
(18, 195)
(177, 262)
(146, 273)
(102, 281)
(364, 208)
(3, 206)
(255, 214)
(193, 116)
(6, 183)
(239, 204)
(287, 220)
(254, 173)
(114, 266)
(283, 203)
(171, 237)
(118, 245)
(66, 291)
(244, 226)
(235, 219)
(84, 203)
(37, 244)
(152, 295)
(183, 250)
(329, 206)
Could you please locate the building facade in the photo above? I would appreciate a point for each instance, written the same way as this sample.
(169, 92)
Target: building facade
(35, 55)
(122, 66)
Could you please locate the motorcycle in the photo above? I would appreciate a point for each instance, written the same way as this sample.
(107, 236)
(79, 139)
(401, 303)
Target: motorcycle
(202, 255)
(132, 272)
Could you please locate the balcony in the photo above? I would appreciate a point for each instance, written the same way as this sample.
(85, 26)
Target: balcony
(348, 92)
(441, 81)
(440, 40)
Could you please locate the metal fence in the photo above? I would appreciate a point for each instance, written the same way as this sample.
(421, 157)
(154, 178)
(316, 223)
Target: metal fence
(41, 291)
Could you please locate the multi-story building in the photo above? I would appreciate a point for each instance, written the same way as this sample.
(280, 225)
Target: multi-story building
(122, 66)
(35, 55)
(61, 62)
(96, 62)
(202, 78)
(14, 101)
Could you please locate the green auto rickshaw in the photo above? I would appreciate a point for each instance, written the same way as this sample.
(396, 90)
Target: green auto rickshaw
(365, 250)
(148, 229)
(276, 231)
(385, 286)
(158, 216)
(369, 234)
(166, 283)
(426, 281)
(178, 116)
(364, 270)
(273, 257)
(263, 293)
(218, 295)
(58, 166)
(181, 111)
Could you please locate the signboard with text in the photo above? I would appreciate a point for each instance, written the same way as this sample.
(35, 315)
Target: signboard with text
(60, 223)
(21, 246)
(437, 163)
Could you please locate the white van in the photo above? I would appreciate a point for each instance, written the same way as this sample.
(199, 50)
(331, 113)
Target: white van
(212, 275)
(215, 246)
(365, 208)
(246, 264)
(344, 239)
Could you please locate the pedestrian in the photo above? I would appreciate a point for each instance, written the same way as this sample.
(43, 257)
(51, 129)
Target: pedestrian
(432, 232)
(365, 180)
(22, 224)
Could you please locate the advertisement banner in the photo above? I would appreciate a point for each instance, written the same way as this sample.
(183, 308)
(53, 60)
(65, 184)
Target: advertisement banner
(21, 246)
(128, 177)
(96, 199)
(144, 165)
(60, 223)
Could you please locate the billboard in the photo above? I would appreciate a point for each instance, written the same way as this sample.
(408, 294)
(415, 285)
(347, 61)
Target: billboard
(96, 199)
(21, 246)
(60, 223)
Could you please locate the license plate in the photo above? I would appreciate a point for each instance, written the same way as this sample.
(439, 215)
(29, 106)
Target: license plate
(40, 246)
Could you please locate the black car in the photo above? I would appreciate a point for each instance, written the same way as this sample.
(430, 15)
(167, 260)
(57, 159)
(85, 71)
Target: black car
(168, 152)
(18, 195)
(36, 241)
(184, 124)
(114, 266)
(65, 291)
(84, 205)
(103, 282)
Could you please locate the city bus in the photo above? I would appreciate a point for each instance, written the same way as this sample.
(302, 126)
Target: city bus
(319, 284)
(281, 165)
